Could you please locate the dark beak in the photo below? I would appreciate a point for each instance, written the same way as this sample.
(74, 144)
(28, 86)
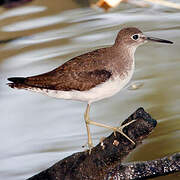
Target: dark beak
(158, 40)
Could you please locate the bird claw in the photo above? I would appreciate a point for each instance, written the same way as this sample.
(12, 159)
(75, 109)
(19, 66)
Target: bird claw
(89, 146)
(120, 130)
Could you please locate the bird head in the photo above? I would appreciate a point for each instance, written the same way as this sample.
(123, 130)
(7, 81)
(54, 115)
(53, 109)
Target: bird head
(133, 37)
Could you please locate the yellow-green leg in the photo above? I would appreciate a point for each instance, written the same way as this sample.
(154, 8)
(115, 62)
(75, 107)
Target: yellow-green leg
(115, 129)
(86, 117)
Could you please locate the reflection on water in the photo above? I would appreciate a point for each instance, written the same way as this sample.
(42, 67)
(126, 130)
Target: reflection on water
(36, 131)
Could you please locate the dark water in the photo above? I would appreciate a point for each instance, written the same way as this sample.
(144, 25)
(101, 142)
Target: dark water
(36, 131)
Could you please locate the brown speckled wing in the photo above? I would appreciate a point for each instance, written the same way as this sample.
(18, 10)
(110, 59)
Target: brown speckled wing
(80, 73)
(80, 81)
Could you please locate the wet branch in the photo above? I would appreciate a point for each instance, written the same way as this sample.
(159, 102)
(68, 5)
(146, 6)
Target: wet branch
(146, 169)
(105, 161)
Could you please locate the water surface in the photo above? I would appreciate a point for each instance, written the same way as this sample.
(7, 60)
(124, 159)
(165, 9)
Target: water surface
(35, 130)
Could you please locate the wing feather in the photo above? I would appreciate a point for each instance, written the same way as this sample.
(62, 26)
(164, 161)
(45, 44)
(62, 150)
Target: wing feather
(80, 73)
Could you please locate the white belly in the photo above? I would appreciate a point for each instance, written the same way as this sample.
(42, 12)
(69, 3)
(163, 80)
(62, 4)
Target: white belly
(99, 92)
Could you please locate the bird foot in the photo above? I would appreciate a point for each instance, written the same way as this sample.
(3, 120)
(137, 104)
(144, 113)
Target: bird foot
(120, 130)
(89, 146)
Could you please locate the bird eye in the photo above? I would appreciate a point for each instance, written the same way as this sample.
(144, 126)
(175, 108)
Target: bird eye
(135, 37)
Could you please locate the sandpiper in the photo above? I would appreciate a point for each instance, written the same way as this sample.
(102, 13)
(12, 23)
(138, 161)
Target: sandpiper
(92, 76)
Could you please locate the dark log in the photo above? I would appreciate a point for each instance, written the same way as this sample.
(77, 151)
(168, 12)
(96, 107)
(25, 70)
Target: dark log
(146, 169)
(105, 160)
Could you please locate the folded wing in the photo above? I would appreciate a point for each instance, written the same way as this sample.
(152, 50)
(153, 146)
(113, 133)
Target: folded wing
(62, 80)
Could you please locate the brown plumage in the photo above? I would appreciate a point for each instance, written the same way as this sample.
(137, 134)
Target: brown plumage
(82, 72)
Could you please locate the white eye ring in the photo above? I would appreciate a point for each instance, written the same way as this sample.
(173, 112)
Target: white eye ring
(135, 37)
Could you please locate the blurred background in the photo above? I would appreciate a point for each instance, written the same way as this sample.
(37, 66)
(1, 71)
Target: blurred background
(35, 130)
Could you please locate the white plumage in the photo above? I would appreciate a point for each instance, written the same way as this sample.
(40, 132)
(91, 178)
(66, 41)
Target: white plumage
(104, 90)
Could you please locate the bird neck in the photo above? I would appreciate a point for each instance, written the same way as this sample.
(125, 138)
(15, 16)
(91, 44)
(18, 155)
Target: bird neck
(124, 59)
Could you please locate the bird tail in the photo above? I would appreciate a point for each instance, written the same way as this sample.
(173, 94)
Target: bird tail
(17, 82)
